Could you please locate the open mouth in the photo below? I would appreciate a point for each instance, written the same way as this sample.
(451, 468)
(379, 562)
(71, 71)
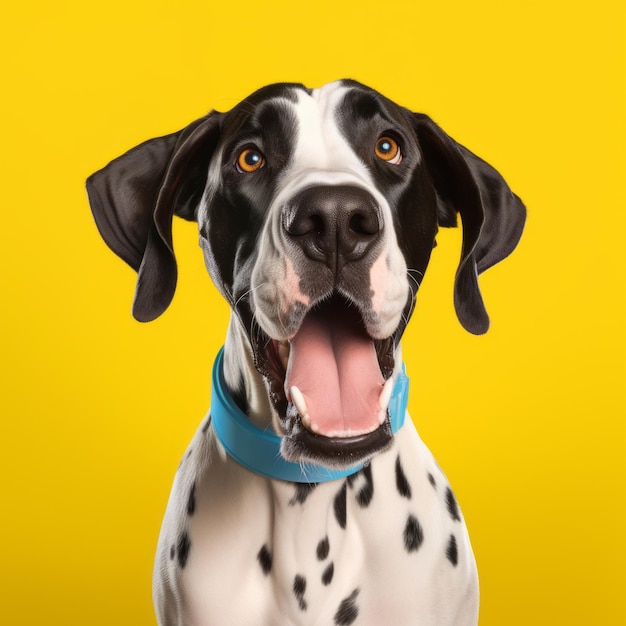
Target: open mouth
(330, 385)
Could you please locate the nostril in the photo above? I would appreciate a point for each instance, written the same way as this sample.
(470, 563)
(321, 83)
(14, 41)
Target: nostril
(306, 224)
(318, 224)
(364, 223)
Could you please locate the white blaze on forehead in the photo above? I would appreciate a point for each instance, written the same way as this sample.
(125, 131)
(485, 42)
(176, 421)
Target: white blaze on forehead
(320, 145)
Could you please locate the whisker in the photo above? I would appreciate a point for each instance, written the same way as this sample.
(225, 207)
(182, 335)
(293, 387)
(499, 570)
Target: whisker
(247, 293)
(413, 288)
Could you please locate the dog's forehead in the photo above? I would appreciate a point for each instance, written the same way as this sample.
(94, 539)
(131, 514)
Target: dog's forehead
(325, 97)
(334, 104)
(319, 134)
(323, 138)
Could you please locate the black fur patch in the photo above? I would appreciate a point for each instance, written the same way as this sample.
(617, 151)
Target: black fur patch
(323, 548)
(328, 574)
(182, 549)
(366, 493)
(265, 559)
(299, 588)
(239, 204)
(452, 551)
(340, 506)
(431, 480)
(191, 502)
(413, 534)
(453, 507)
(348, 610)
(172, 552)
(303, 491)
(402, 484)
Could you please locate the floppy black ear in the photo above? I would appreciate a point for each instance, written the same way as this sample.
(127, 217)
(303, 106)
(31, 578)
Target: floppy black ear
(492, 216)
(134, 198)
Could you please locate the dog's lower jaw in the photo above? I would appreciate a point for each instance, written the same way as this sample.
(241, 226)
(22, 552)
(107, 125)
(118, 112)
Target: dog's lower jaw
(303, 446)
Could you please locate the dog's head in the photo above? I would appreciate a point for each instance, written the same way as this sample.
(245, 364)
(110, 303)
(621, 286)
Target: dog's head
(317, 211)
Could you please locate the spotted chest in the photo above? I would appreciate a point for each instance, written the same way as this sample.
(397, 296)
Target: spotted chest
(380, 544)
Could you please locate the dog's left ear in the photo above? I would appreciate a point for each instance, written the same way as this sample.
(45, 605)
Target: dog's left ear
(492, 216)
(134, 198)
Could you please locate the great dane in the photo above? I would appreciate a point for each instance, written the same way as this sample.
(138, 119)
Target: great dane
(305, 497)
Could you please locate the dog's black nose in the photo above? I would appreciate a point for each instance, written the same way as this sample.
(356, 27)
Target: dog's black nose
(333, 224)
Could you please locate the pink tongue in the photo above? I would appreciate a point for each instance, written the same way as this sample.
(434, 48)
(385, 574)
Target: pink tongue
(333, 363)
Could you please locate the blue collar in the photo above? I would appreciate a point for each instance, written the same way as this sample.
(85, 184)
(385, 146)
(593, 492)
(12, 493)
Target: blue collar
(259, 450)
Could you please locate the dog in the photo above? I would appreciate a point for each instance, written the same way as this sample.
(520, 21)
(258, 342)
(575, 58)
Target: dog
(305, 497)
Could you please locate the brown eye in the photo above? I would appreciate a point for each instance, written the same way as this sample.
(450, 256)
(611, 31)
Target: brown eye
(388, 150)
(250, 160)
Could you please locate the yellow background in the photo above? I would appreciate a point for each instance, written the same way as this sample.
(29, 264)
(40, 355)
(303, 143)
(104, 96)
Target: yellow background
(96, 409)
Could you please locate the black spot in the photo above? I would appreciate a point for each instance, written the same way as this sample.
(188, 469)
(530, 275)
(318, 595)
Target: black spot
(328, 574)
(191, 502)
(453, 507)
(303, 490)
(431, 480)
(366, 493)
(206, 425)
(299, 585)
(452, 552)
(299, 588)
(323, 548)
(172, 552)
(347, 611)
(413, 534)
(182, 549)
(265, 559)
(402, 484)
(339, 506)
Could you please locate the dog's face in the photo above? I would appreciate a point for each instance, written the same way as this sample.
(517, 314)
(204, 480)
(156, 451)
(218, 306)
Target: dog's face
(317, 211)
(309, 190)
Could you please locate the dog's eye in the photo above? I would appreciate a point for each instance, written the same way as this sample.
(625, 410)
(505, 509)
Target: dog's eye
(250, 160)
(388, 150)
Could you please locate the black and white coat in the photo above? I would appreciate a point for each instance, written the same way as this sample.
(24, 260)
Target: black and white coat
(318, 211)
(387, 545)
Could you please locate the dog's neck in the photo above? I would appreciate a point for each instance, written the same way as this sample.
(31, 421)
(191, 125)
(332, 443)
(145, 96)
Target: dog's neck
(243, 380)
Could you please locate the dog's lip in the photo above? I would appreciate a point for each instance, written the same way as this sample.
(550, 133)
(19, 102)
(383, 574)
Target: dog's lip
(299, 313)
(302, 445)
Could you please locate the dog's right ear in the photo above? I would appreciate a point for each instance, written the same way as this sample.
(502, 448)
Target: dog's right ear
(134, 198)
